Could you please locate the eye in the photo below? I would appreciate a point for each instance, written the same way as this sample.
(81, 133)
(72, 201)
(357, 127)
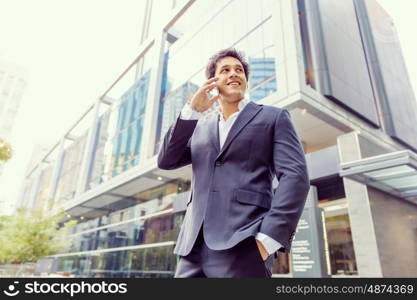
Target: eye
(239, 69)
(224, 70)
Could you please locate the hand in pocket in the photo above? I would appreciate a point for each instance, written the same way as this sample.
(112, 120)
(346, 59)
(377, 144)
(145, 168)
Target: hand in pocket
(262, 250)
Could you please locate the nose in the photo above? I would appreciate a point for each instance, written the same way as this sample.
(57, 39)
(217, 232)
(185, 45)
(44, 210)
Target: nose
(233, 74)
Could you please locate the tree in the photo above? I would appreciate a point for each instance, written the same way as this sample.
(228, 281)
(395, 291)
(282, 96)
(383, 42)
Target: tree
(3, 221)
(5, 151)
(28, 236)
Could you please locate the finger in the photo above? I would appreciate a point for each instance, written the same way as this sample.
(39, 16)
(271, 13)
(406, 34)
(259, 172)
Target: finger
(211, 80)
(209, 88)
(214, 99)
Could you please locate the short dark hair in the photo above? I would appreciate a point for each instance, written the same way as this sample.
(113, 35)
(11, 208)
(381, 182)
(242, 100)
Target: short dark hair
(211, 65)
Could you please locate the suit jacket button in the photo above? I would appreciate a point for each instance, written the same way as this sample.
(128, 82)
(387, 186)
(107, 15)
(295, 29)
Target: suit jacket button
(218, 163)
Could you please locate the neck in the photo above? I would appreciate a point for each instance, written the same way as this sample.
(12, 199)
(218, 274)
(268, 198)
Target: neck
(229, 107)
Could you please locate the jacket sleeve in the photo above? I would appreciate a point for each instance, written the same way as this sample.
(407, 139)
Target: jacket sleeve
(291, 170)
(175, 151)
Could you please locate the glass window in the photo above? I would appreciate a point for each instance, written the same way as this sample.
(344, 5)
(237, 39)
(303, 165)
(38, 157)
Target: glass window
(126, 110)
(99, 155)
(130, 142)
(338, 236)
(145, 231)
(71, 165)
(117, 142)
(281, 264)
(261, 57)
(43, 192)
(120, 133)
(306, 47)
(123, 145)
(133, 231)
(243, 24)
(339, 239)
(153, 262)
(138, 129)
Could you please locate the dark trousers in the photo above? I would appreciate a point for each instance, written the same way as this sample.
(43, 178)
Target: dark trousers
(242, 260)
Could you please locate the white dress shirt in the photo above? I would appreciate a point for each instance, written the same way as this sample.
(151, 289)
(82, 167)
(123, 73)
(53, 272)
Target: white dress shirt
(187, 113)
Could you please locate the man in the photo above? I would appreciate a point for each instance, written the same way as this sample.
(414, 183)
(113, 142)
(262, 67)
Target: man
(234, 223)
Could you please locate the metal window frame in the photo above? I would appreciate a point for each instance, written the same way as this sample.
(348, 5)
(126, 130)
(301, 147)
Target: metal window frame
(356, 170)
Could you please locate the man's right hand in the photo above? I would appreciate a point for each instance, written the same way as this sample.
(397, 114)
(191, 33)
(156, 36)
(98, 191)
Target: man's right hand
(200, 100)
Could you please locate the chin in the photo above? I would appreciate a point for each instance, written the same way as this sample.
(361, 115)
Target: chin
(233, 97)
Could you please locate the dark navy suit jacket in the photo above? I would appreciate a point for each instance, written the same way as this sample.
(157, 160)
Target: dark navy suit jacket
(231, 188)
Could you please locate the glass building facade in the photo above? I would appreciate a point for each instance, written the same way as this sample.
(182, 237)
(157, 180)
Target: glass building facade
(129, 212)
(119, 134)
(134, 241)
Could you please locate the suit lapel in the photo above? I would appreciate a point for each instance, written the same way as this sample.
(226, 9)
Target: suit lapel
(247, 114)
(213, 131)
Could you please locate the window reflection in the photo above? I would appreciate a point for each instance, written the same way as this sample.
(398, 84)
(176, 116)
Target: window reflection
(338, 236)
(98, 159)
(260, 51)
(339, 239)
(188, 48)
(128, 135)
(156, 229)
(154, 262)
(43, 192)
(119, 134)
(305, 41)
(150, 201)
(131, 224)
(281, 264)
(71, 165)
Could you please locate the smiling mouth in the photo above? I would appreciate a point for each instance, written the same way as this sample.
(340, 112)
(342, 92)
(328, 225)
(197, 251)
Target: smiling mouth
(233, 84)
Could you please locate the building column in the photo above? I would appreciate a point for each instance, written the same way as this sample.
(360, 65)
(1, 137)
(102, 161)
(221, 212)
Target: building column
(360, 214)
(150, 125)
(55, 174)
(87, 159)
(35, 188)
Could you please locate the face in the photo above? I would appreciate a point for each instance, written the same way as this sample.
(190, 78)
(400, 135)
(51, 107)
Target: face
(232, 81)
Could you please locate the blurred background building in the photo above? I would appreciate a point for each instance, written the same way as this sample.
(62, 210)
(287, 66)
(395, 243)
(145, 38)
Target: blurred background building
(336, 66)
(13, 82)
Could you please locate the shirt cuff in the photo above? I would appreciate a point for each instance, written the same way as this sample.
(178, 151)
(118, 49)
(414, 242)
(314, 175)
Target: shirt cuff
(271, 245)
(187, 113)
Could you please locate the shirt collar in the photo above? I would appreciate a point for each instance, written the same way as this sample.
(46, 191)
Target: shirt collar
(240, 106)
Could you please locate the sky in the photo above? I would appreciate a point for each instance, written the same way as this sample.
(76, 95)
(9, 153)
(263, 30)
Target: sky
(72, 51)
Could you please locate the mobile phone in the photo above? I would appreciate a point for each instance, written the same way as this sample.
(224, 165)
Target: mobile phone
(214, 92)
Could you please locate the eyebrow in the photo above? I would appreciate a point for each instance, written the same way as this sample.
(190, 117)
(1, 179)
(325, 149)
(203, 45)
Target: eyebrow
(225, 66)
